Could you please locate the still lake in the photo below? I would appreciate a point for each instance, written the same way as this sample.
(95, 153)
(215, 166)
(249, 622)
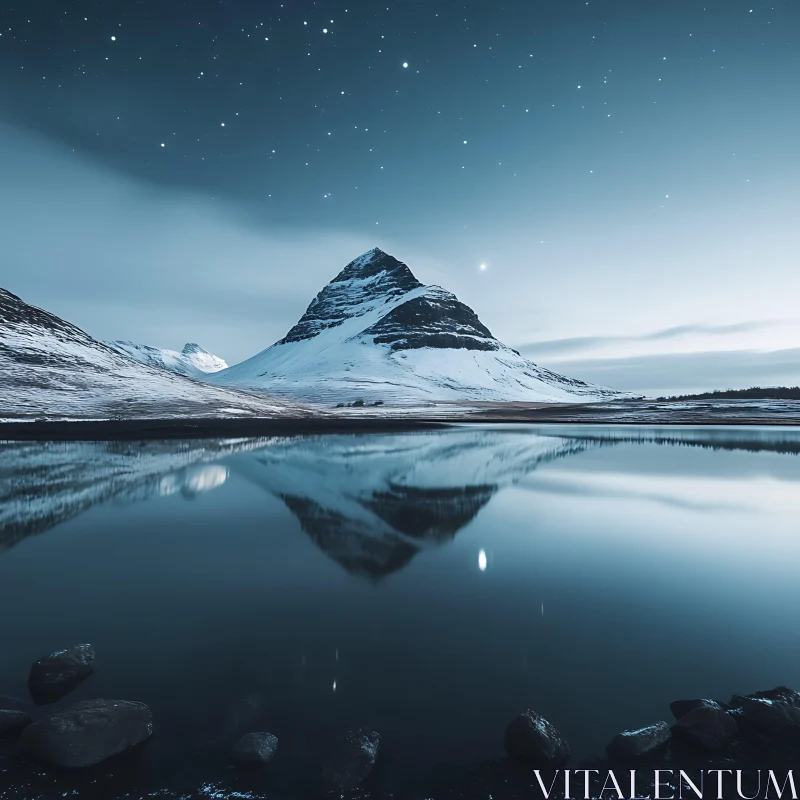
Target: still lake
(430, 585)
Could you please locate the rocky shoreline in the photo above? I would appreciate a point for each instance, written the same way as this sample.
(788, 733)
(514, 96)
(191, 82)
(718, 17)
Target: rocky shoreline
(43, 752)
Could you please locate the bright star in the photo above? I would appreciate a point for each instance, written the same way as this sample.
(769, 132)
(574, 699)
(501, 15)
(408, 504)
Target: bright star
(482, 561)
(483, 267)
(405, 65)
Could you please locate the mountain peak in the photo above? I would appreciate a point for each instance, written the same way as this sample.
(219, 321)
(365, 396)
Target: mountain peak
(375, 262)
(193, 347)
(371, 280)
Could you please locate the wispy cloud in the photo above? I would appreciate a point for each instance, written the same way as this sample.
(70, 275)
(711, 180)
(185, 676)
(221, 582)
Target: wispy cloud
(679, 373)
(582, 344)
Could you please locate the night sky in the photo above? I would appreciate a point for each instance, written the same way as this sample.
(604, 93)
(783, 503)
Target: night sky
(627, 172)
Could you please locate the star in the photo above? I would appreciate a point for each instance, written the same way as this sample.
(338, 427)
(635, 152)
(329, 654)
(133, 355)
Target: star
(483, 267)
(405, 65)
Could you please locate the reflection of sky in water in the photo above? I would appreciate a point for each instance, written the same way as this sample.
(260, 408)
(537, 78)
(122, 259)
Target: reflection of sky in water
(430, 585)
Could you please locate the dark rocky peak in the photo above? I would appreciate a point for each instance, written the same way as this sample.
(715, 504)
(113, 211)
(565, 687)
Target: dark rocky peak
(370, 280)
(193, 347)
(374, 263)
(436, 318)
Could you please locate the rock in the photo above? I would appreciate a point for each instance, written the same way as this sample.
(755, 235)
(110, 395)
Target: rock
(769, 718)
(707, 727)
(639, 743)
(11, 721)
(59, 673)
(88, 732)
(255, 748)
(353, 758)
(12, 703)
(680, 708)
(531, 739)
(780, 694)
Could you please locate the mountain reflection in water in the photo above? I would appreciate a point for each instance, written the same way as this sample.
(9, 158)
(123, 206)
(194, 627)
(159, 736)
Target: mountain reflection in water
(371, 503)
(430, 585)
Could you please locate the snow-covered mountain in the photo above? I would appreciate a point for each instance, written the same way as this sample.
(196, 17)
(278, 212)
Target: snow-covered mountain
(376, 333)
(193, 361)
(50, 368)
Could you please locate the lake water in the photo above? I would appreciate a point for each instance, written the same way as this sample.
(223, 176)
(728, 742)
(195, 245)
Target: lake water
(429, 585)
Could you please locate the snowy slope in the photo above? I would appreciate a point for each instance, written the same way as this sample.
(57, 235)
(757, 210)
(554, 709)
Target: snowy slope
(193, 361)
(51, 369)
(376, 333)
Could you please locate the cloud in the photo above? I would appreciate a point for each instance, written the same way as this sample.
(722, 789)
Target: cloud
(125, 260)
(580, 344)
(685, 373)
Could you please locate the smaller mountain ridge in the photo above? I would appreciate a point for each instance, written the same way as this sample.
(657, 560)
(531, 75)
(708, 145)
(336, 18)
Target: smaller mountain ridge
(51, 369)
(202, 359)
(192, 362)
(376, 333)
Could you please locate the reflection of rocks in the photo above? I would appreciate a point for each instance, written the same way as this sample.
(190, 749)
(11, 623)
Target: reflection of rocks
(43, 484)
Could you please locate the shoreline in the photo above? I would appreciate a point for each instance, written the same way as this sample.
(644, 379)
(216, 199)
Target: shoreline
(624, 414)
(179, 429)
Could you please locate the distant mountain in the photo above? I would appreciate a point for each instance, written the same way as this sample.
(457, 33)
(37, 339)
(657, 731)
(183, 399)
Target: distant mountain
(754, 393)
(376, 333)
(193, 361)
(50, 368)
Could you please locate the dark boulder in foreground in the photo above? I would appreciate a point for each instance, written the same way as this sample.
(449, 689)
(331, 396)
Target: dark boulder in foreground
(352, 760)
(773, 715)
(56, 675)
(639, 743)
(531, 739)
(780, 694)
(88, 732)
(12, 721)
(255, 748)
(680, 708)
(707, 727)
(12, 703)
